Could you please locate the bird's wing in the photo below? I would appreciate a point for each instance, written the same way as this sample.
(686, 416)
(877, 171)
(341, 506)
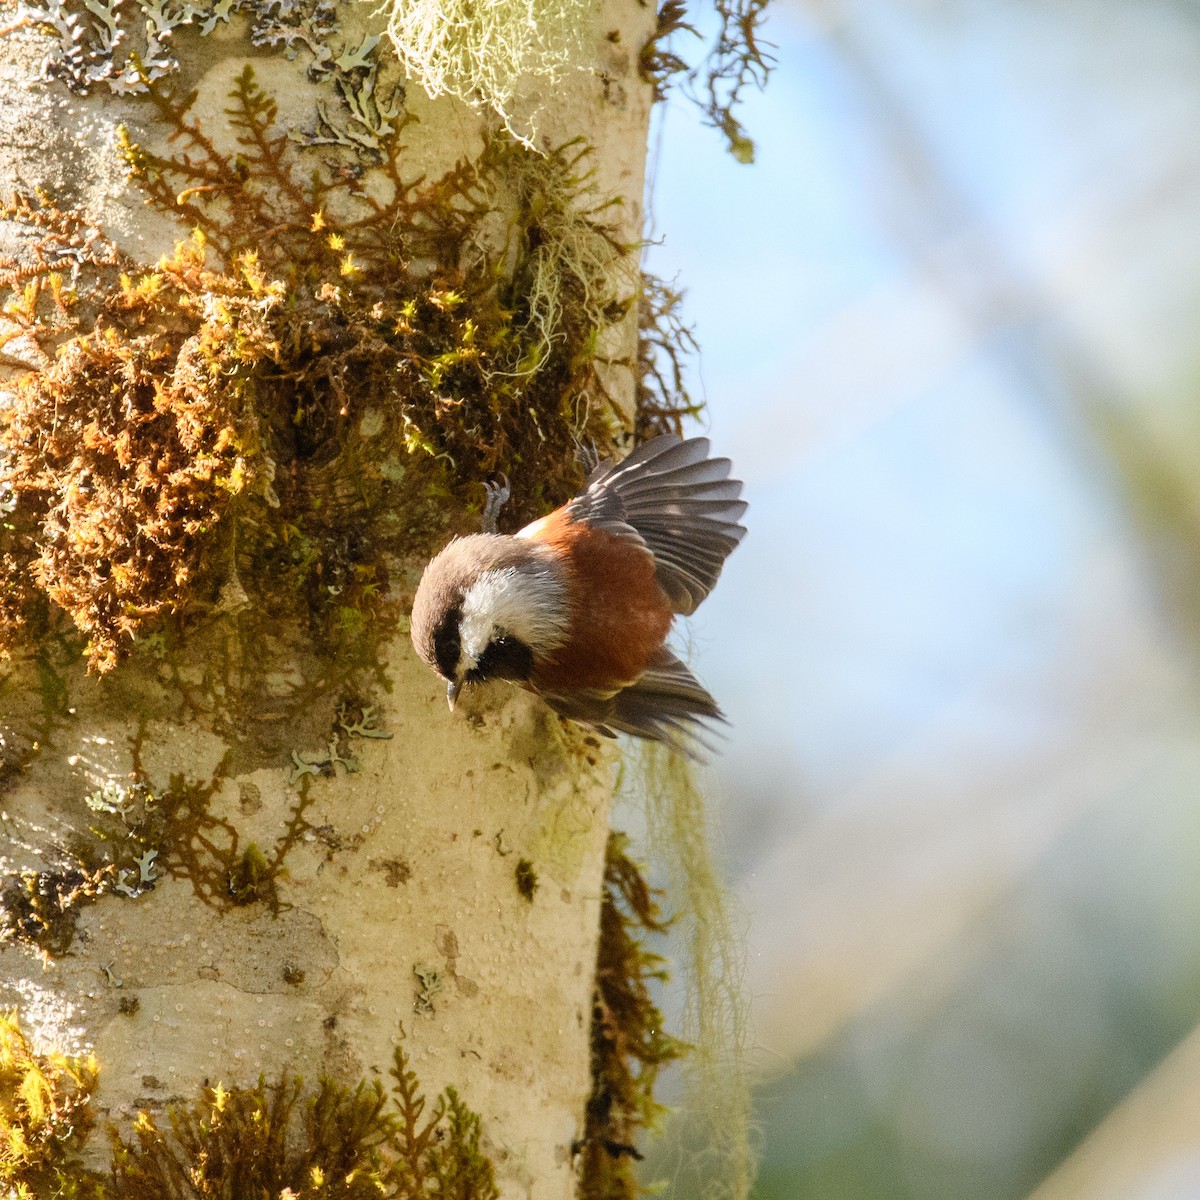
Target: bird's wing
(666, 704)
(681, 504)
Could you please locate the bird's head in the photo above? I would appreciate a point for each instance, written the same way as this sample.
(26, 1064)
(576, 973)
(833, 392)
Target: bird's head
(489, 607)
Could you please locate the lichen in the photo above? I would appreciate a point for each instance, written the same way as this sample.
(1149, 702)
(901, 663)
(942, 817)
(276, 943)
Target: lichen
(125, 46)
(572, 271)
(628, 1042)
(705, 944)
(430, 982)
(487, 55)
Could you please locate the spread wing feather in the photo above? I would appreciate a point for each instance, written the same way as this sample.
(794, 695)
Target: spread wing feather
(671, 497)
(667, 704)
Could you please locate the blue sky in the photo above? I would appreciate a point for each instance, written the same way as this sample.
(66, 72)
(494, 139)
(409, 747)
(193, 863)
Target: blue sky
(961, 280)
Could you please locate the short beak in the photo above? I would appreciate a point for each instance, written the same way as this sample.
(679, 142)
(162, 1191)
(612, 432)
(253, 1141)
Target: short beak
(452, 690)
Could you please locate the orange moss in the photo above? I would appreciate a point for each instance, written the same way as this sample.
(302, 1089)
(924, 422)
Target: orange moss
(44, 1112)
(253, 417)
(629, 1044)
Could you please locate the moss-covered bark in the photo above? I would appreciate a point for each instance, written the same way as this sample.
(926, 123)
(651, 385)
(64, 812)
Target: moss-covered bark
(265, 351)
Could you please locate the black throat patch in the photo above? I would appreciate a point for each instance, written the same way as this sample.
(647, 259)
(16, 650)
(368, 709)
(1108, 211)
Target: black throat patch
(503, 658)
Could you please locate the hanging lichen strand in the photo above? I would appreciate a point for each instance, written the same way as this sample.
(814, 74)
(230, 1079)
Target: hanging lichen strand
(488, 54)
(271, 413)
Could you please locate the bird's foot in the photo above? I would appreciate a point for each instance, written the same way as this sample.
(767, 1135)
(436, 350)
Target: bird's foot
(588, 456)
(497, 497)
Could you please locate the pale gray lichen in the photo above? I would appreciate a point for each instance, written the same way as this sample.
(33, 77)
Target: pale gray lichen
(373, 111)
(123, 887)
(115, 799)
(327, 761)
(146, 876)
(302, 767)
(295, 25)
(127, 44)
(366, 726)
(323, 762)
(110, 798)
(431, 984)
(374, 115)
(145, 866)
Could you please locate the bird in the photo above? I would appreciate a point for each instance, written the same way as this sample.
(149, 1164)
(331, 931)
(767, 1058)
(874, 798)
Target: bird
(577, 606)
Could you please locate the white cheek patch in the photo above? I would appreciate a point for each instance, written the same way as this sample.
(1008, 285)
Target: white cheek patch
(528, 603)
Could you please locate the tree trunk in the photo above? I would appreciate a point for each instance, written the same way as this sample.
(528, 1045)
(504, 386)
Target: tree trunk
(240, 844)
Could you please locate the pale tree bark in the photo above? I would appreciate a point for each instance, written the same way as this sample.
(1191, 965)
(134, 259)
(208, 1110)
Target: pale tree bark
(392, 913)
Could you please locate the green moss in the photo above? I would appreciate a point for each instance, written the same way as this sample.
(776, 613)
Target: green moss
(262, 427)
(331, 1142)
(263, 424)
(252, 878)
(44, 1114)
(628, 1043)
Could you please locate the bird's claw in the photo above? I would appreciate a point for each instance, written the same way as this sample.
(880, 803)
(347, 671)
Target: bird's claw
(497, 497)
(588, 455)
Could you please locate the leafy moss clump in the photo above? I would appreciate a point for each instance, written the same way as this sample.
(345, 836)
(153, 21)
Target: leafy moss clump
(148, 446)
(252, 878)
(629, 1044)
(44, 1113)
(40, 908)
(260, 421)
(335, 1143)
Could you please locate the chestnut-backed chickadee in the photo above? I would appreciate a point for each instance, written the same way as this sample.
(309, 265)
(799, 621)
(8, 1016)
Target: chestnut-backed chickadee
(576, 606)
